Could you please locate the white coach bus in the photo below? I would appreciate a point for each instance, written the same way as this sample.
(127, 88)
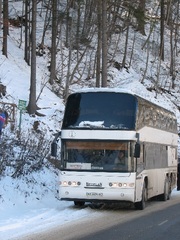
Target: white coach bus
(97, 124)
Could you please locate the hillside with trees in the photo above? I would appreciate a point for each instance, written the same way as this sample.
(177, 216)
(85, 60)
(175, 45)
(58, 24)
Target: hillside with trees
(83, 40)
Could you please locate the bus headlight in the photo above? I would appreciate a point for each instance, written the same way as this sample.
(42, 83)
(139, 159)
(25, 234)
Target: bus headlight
(121, 185)
(69, 183)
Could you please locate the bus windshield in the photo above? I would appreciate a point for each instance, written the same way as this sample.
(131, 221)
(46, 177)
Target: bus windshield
(97, 156)
(108, 110)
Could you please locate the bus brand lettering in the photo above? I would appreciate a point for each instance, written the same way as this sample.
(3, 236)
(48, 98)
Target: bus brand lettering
(93, 184)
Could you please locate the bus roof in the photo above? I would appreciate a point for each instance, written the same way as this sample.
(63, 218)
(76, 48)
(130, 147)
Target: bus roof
(120, 90)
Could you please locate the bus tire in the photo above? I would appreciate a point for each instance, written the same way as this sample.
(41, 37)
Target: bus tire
(79, 203)
(166, 195)
(142, 204)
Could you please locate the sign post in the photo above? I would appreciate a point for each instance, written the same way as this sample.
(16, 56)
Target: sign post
(21, 107)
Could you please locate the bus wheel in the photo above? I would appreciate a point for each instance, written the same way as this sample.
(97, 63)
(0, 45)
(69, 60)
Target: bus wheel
(79, 203)
(166, 195)
(142, 204)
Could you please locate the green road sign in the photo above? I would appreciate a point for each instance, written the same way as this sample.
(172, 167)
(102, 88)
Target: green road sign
(22, 105)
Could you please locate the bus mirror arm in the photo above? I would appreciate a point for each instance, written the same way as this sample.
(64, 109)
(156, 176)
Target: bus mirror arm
(54, 145)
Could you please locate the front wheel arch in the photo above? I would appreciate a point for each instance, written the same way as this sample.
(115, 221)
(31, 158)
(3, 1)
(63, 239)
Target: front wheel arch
(142, 204)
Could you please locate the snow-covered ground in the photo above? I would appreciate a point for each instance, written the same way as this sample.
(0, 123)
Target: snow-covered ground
(36, 212)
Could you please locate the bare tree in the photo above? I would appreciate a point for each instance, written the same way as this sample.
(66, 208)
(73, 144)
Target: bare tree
(32, 107)
(27, 47)
(90, 7)
(5, 27)
(173, 21)
(162, 31)
(0, 13)
(77, 38)
(21, 37)
(53, 42)
(104, 43)
(126, 42)
(99, 45)
(66, 90)
(46, 23)
(147, 62)
(141, 17)
(68, 22)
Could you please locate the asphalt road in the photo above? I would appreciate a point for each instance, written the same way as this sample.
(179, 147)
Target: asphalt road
(162, 224)
(159, 221)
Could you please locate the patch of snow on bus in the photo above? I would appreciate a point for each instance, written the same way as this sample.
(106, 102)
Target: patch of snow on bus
(118, 90)
(91, 124)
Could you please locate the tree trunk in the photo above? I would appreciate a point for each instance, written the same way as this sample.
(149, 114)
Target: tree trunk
(0, 14)
(141, 17)
(68, 24)
(66, 90)
(99, 46)
(126, 42)
(27, 32)
(77, 38)
(53, 43)
(32, 107)
(5, 26)
(46, 24)
(104, 43)
(162, 31)
(88, 18)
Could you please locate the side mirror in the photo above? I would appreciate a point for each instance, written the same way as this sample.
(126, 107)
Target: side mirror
(54, 145)
(54, 149)
(137, 150)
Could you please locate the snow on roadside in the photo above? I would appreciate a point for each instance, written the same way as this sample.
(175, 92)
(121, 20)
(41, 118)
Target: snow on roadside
(26, 208)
